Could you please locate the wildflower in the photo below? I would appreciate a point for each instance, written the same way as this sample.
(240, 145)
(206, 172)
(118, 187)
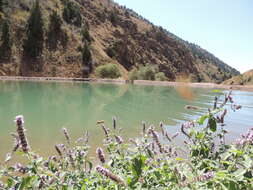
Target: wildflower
(58, 150)
(51, 181)
(42, 182)
(215, 102)
(81, 153)
(222, 116)
(175, 135)
(240, 142)
(71, 159)
(230, 99)
(206, 176)
(143, 127)
(86, 139)
(246, 138)
(167, 136)
(119, 139)
(114, 123)
(20, 168)
(16, 142)
(101, 155)
(105, 172)
(21, 133)
(52, 158)
(156, 139)
(1, 185)
(134, 142)
(106, 131)
(162, 128)
(8, 157)
(183, 127)
(62, 147)
(235, 107)
(66, 134)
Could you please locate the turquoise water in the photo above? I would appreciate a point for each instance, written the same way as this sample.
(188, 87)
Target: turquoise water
(47, 107)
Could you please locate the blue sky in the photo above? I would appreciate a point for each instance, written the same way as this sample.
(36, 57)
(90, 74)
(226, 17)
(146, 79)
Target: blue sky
(223, 27)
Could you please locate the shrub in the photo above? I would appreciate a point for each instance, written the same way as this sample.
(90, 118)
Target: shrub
(108, 71)
(111, 51)
(134, 74)
(71, 13)
(160, 76)
(147, 73)
(113, 18)
(144, 73)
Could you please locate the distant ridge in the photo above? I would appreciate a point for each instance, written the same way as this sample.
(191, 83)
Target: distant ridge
(243, 79)
(119, 36)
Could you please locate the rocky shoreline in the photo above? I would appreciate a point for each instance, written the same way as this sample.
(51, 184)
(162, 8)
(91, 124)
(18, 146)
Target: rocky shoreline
(136, 82)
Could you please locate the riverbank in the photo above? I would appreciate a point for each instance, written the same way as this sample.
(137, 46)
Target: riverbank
(136, 82)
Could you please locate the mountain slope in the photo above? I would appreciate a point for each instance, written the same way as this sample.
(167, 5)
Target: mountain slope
(119, 36)
(244, 79)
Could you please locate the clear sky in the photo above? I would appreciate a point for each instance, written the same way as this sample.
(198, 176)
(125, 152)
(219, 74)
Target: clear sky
(223, 27)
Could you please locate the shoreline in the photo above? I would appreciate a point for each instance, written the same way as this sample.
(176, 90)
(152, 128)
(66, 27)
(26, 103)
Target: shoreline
(121, 81)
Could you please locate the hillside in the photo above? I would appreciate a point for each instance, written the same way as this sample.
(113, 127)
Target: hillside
(243, 79)
(116, 35)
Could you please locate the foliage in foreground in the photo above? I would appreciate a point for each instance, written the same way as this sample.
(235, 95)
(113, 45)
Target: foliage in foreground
(151, 161)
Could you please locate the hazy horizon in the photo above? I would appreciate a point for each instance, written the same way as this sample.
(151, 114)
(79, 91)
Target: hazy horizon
(221, 27)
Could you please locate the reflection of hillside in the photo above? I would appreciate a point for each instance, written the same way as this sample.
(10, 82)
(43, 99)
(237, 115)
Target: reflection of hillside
(150, 104)
(48, 107)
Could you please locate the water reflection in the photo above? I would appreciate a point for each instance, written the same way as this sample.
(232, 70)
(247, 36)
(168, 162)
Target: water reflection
(48, 107)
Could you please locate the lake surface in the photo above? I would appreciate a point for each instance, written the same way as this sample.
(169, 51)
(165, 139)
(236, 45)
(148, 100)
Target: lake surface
(49, 106)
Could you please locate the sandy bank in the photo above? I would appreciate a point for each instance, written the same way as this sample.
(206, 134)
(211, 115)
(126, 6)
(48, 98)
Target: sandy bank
(61, 79)
(136, 82)
(195, 85)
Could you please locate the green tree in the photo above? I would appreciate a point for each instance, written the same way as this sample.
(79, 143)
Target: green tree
(86, 35)
(55, 32)
(1, 5)
(86, 60)
(5, 48)
(34, 43)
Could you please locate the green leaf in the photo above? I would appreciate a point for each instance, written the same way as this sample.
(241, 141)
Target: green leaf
(9, 182)
(200, 135)
(179, 159)
(25, 182)
(239, 174)
(137, 165)
(212, 124)
(202, 119)
(89, 164)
